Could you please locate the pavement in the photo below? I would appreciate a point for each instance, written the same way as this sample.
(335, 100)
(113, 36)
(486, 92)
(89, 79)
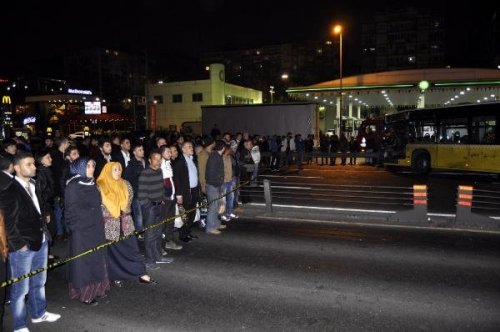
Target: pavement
(279, 275)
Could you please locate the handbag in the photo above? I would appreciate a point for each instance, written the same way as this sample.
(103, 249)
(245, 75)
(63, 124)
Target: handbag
(178, 222)
(197, 216)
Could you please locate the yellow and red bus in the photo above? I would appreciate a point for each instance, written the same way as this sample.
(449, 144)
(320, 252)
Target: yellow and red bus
(461, 137)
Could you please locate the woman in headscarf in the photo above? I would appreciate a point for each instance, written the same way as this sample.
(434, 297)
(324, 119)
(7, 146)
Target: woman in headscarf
(88, 275)
(124, 258)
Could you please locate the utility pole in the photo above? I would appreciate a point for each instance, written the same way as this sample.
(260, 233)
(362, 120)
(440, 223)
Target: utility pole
(146, 83)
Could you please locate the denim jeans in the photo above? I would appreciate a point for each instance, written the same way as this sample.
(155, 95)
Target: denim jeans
(58, 216)
(236, 198)
(213, 221)
(255, 174)
(137, 214)
(227, 187)
(20, 263)
(153, 214)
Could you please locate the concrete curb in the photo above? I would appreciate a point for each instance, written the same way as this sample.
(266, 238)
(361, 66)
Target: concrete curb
(354, 217)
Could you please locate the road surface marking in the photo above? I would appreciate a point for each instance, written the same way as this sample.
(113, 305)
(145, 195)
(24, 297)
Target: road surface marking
(291, 176)
(324, 208)
(346, 223)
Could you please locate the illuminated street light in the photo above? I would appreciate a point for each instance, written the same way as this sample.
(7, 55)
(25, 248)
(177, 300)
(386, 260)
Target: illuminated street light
(337, 30)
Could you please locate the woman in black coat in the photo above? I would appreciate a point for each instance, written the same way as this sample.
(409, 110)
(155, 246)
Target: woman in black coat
(88, 275)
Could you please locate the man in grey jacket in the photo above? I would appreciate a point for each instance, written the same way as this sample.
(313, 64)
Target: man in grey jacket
(214, 177)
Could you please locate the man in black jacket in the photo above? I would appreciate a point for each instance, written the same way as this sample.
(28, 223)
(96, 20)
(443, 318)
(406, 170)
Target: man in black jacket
(187, 190)
(28, 247)
(123, 155)
(136, 165)
(215, 178)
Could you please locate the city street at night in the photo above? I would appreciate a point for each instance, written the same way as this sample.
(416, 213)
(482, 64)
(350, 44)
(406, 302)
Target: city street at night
(271, 275)
(260, 166)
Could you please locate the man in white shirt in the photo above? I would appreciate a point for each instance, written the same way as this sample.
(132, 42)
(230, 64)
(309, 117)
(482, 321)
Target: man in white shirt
(28, 247)
(123, 155)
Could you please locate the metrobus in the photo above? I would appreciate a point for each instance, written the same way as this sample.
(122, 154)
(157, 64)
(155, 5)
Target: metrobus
(461, 137)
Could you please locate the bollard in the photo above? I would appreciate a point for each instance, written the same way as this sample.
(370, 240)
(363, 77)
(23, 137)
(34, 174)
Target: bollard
(268, 196)
(464, 215)
(419, 211)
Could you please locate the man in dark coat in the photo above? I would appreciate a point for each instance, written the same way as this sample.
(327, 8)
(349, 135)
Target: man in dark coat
(187, 190)
(28, 245)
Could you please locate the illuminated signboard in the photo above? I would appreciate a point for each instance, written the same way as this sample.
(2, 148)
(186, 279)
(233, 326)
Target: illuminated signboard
(80, 92)
(92, 107)
(6, 100)
(29, 119)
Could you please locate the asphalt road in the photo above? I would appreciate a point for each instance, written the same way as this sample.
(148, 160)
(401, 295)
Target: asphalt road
(442, 187)
(288, 276)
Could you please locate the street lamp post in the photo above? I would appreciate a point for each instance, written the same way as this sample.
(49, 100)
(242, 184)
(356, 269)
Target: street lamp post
(271, 92)
(337, 30)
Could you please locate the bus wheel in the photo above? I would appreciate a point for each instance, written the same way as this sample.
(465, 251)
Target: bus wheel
(421, 163)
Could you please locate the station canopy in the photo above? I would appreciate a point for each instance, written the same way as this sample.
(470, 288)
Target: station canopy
(403, 88)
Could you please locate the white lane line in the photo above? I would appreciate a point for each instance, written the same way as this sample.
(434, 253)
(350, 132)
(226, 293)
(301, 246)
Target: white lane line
(346, 223)
(291, 176)
(445, 215)
(346, 170)
(286, 187)
(324, 208)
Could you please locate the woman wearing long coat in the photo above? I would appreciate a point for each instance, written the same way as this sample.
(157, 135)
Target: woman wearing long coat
(124, 258)
(88, 275)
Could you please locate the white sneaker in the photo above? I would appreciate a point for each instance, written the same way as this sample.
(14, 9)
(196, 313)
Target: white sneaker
(225, 218)
(233, 216)
(24, 329)
(46, 317)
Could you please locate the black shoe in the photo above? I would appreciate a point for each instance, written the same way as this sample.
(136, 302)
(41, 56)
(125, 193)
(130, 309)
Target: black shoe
(151, 281)
(191, 236)
(186, 239)
(91, 302)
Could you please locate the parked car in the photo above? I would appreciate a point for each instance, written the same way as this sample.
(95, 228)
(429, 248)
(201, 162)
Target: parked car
(80, 134)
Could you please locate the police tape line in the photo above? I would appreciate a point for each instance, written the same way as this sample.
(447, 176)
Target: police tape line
(109, 243)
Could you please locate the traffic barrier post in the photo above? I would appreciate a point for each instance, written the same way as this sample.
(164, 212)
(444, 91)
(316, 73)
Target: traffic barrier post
(464, 215)
(419, 211)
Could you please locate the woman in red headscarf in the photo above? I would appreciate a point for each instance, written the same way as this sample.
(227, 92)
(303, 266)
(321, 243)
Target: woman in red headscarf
(124, 259)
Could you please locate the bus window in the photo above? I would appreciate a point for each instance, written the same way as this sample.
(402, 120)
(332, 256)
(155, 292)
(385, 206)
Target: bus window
(453, 131)
(425, 131)
(483, 130)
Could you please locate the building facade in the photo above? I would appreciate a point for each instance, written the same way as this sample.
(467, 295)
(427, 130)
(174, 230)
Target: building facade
(274, 68)
(178, 103)
(113, 75)
(402, 39)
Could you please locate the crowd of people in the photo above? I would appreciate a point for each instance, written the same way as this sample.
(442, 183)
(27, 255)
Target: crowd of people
(99, 189)
(89, 192)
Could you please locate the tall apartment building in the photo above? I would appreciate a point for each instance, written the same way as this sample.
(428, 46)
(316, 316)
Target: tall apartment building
(402, 39)
(279, 66)
(111, 74)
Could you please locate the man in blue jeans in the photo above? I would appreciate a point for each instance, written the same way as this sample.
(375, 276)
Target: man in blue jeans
(28, 246)
(215, 178)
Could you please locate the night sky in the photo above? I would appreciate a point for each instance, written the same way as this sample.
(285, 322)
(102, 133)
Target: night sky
(34, 34)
